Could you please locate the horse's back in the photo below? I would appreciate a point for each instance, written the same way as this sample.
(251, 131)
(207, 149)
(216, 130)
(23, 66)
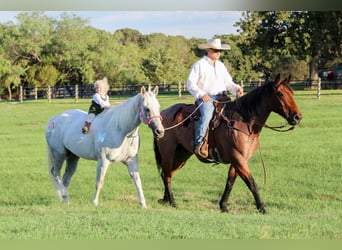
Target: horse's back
(173, 109)
(169, 114)
(179, 132)
(67, 119)
(65, 129)
(69, 115)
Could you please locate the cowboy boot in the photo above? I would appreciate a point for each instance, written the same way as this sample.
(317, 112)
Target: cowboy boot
(202, 148)
(86, 127)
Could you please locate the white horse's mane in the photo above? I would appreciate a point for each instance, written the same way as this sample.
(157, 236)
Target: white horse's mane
(122, 113)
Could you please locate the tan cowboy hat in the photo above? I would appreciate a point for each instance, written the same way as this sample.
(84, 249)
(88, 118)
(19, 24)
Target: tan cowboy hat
(214, 44)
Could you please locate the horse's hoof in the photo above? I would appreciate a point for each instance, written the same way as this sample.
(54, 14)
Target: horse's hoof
(224, 209)
(262, 210)
(65, 200)
(163, 201)
(173, 204)
(96, 203)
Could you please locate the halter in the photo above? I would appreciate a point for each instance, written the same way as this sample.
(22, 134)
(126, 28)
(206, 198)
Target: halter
(145, 120)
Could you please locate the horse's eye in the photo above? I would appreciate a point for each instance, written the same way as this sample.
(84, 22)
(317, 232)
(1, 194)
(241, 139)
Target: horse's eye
(147, 110)
(280, 94)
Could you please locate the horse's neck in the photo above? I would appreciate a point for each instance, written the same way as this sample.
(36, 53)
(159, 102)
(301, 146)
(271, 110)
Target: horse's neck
(253, 110)
(125, 116)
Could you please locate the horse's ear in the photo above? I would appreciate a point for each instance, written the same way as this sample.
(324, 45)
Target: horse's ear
(277, 80)
(143, 90)
(288, 79)
(156, 90)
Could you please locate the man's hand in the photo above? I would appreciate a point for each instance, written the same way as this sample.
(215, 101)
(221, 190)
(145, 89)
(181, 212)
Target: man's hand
(206, 98)
(239, 92)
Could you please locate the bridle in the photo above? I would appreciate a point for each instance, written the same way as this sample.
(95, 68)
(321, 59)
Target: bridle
(274, 128)
(146, 120)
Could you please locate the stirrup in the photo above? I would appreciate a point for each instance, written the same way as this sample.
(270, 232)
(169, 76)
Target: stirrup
(200, 151)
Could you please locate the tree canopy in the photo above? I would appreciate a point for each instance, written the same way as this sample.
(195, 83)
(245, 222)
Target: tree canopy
(39, 50)
(290, 40)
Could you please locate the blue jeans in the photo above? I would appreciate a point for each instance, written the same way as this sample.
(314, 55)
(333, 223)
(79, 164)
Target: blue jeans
(201, 126)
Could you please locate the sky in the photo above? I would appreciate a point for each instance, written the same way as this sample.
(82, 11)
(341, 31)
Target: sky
(198, 24)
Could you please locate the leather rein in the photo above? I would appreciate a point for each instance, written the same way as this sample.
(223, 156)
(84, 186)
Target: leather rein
(274, 128)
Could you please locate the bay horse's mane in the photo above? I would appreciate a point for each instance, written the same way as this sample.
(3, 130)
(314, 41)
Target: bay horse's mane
(250, 105)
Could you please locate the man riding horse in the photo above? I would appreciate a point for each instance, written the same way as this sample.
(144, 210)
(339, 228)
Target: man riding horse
(208, 80)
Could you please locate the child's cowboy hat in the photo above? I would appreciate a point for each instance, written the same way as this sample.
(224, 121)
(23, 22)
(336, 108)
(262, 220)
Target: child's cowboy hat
(214, 44)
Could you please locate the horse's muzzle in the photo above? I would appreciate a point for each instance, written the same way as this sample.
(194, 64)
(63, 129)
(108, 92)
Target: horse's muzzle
(295, 119)
(159, 133)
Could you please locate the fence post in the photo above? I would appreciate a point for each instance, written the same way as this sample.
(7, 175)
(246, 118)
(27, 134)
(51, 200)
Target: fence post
(21, 93)
(76, 93)
(179, 90)
(49, 94)
(319, 88)
(35, 93)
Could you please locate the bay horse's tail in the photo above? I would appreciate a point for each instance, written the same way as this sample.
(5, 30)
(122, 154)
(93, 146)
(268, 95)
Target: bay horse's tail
(157, 155)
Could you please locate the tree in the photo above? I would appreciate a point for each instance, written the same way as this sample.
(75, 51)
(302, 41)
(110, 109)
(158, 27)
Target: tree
(72, 45)
(46, 75)
(127, 57)
(290, 36)
(33, 33)
(166, 59)
(237, 64)
(11, 69)
(9, 75)
(316, 36)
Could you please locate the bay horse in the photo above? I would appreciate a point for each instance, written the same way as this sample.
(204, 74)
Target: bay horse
(113, 137)
(233, 135)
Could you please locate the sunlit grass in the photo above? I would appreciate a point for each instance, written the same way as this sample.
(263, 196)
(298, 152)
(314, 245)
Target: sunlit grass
(302, 194)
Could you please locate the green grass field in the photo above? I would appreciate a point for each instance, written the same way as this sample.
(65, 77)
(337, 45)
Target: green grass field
(302, 194)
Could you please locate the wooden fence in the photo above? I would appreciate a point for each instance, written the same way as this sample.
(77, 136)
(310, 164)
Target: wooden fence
(87, 90)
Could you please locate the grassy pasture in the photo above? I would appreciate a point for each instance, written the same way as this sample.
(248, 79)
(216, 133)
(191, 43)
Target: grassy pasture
(302, 194)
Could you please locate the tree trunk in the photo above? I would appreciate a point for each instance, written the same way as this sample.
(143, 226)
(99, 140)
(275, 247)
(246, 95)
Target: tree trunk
(9, 93)
(314, 72)
(314, 63)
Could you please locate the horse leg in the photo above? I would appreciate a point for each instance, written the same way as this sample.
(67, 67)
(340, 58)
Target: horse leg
(164, 162)
(247, 177)
(176, 159)
(229, 186)
(70, 169)
(168, 194)
(133, 171)
(56, 161)
(101, 170)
